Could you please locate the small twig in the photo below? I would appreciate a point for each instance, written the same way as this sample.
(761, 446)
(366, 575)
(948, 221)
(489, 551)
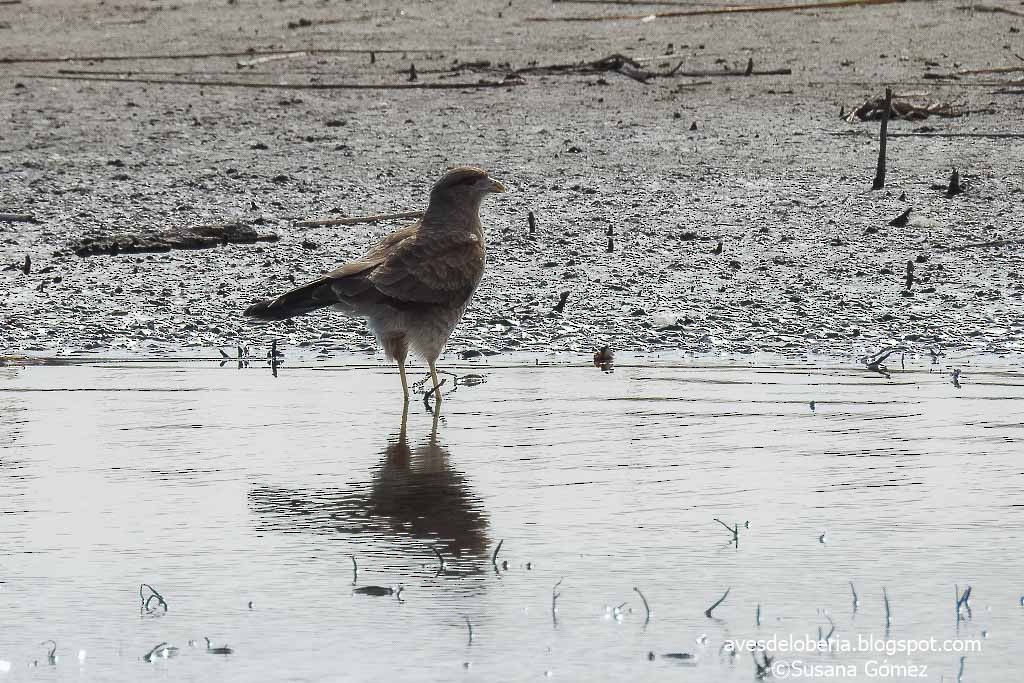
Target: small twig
(880, 168)
(757, 615)
(647, 607)
(532, 221)
(379, 218)
(440, 559)
(707, 612)
(835, 4)
(554, 601)
(153, 593)
(250, 63)
(831, 632)
(734, 530)
(469, 625)
(856, 600)
(355, 570)
(494, 557)
(888, 613)
(51, 656)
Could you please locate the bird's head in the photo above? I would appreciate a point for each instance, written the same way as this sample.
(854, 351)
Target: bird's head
(464, 186)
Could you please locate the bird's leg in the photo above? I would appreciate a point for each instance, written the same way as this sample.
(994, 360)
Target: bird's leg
(437, 385)
(405, 383)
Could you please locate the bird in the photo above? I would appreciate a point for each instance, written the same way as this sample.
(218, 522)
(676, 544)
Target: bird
(412, 287)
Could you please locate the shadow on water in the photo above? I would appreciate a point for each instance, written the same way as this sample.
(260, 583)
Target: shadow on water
(414, 493)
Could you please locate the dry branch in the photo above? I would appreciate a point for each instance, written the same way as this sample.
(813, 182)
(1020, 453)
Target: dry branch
(207, 55)
(989, 136)
(633, 68)
(255, 61)
(285, 86)
(993, 9)
(17, 218)
(737, 9)
(660, 3)
(313, 223)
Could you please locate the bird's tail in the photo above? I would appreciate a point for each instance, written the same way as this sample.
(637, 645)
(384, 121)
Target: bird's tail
(304, 299)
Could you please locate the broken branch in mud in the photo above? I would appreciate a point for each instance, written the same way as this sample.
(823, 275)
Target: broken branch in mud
(898, 108)
(987, 136)
(255, 61)
(197, 237)
(993, 9)
(736, 9)
(205, 55)
(879, 182)
(285, 86)
(633, 68)
(359, 219)
(17, 218)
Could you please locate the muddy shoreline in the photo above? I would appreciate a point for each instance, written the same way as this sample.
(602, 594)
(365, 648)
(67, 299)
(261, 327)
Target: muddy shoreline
(672, 168)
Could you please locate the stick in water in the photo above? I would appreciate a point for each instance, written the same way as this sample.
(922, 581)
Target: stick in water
(494, 557)
(646, 606)
(707, 612)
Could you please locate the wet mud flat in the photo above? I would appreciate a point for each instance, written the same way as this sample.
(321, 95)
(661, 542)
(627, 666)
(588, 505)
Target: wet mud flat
(693, 184)
(526, 527)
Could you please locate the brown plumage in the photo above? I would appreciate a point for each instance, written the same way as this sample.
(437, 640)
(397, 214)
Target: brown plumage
(414, 285)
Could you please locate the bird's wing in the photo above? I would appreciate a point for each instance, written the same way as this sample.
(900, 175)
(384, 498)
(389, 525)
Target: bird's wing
(379, 254)
(347, 283)
(435, 269)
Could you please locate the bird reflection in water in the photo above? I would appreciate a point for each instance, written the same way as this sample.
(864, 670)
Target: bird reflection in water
(414, 493)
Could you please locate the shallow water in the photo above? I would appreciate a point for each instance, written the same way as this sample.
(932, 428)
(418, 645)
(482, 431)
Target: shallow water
(220, 487)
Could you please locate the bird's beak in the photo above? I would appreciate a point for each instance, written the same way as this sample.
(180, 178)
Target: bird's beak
(497, 187)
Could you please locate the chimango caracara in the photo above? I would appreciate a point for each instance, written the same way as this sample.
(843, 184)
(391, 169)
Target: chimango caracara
(412, 287)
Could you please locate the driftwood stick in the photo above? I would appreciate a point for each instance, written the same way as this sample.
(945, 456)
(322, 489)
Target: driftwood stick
(283, 86)
(989, 136)
(740, 9)
(17, 218)
(203, 55)
(993, 9)
(379, 218)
